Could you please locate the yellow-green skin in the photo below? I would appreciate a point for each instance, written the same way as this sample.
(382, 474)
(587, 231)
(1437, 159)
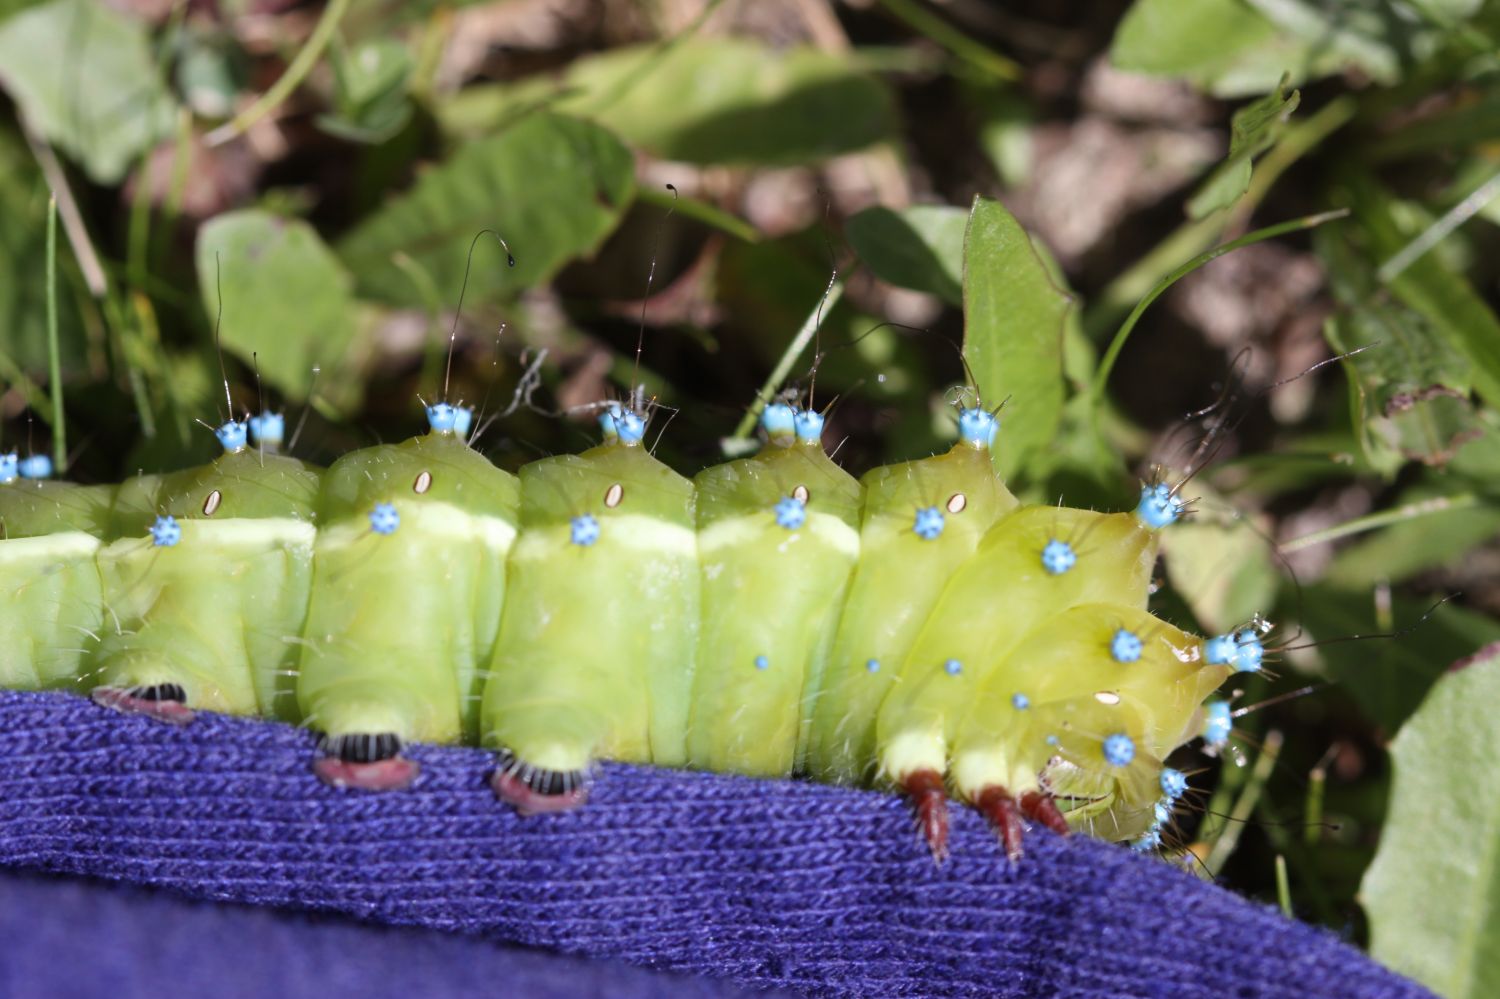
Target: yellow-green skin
(51, 601)
(212, 612)
(401, 626)
(771, 602)
(595, 655)
(695, 630)
(899, 580)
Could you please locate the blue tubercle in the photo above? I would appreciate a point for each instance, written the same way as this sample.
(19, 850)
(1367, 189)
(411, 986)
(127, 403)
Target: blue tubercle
(929, 523)
(1058, 557)
(953, 667)
(978, 427)
(8, 467)
(36, 466)
(1162, 812)
(873, 665)
(584, 530)
(232, 436)
(463, 419)
(778, 419)
(791, 513)
(1020, 701)
(1216, 724)
(1219, 650)
(267, 428)
(166, 532)
(1159, 506)
(1243, 651)
(809, 426)
(607, 422)
(1125, 646)
(385, 518)
(1173, 783)
(442, 418)
(1051, 740)
(1119, 749)
(1149, 841)
(630, 427)
(762, 663)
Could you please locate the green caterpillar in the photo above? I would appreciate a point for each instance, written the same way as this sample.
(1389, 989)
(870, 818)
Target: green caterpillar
(771, 616)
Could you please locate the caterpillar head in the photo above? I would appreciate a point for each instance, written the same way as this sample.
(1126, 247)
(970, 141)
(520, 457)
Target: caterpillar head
(232, 435)
(268, 429)
(8, 467)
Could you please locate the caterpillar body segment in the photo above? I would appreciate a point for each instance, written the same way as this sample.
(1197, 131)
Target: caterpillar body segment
(778, 538)
(51, 599)
(408, 587)
(598, 635)
(204, 575)
(921, 521)
(989, 605)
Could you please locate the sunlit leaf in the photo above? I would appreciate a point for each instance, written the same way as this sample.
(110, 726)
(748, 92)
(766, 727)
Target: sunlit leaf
(84, 77)
(921, 247)
(1434, 887)
(286, 297)
(1254, 129)
(1013, 331)
(553, 187)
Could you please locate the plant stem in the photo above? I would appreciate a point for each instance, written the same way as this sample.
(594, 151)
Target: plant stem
(1439, 230)
(1395, 515)
(784, 366)
(289, 81)
(54, 353)
(1229, 839)
(954, 40)
(1283, 887)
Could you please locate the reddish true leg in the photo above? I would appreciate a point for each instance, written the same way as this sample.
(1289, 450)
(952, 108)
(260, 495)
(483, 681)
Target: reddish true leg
(925, 789)
(156, 702)
(996, 804)
(1039, 806)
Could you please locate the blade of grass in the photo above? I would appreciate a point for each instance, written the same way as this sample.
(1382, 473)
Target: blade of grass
(739, 441)
(1229, 837)
(1101, 375)
(954, 40)
(700, 211)
(54, 353)
(290, 80)
(1384, 518)
(1283, 887)
(1439, 230)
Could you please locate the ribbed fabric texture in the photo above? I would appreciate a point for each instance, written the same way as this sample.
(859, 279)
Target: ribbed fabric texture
(765, 883)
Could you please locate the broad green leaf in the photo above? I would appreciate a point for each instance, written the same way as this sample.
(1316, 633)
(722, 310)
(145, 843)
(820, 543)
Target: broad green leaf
(921, 247)
(553, 187)
(707, 100)
(1014, 319)
(83, 76)
(1368, 35)
(286, 296)
(1388, 677)
(1220, 563)
(1433, 891)
(1253, 129)
(1222, 46)
(369, 91)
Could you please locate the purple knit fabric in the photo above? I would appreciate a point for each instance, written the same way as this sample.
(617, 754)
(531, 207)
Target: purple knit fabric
(766, 883)
(65, 938)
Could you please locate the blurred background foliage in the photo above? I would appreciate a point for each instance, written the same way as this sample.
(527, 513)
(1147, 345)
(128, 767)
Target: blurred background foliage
(321, 170)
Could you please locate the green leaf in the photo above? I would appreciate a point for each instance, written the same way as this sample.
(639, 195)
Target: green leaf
(1222, 46)
(1253, 129)
(369, 91)
(1220, 564)
(1433, 890)
(1405, 549)
(704, 100)
(553, 187)
(1387, 676)
(286, 297)
(83, 76)
(1457, 315)
(1014, 319)
(921, 247)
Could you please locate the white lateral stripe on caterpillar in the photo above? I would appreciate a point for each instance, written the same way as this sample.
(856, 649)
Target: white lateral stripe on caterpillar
(47, 548)
(252, 533)
(634, 531)
(434, 519)
(737, 530)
